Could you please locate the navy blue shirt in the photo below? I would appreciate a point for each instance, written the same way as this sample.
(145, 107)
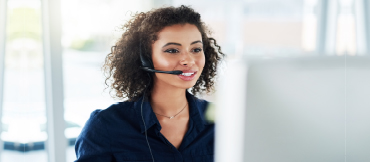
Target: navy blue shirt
(117, 134)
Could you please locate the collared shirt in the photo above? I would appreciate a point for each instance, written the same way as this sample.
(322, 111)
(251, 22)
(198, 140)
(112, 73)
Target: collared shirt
(118, 134)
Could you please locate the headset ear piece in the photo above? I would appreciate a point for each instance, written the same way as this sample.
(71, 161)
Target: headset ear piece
(145, 61)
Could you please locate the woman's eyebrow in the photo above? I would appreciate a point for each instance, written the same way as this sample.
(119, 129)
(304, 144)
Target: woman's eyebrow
(198, 41)
(178, 44)
(171, 43)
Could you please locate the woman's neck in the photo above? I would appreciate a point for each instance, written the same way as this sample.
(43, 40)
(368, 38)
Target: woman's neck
(167, 100)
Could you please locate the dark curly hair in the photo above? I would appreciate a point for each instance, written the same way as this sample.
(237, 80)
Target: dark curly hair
(122, 65)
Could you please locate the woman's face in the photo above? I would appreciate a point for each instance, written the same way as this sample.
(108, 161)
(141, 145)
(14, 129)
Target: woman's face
(179, 47)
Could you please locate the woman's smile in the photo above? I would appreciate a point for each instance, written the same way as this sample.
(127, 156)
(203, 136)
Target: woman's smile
(187, 75)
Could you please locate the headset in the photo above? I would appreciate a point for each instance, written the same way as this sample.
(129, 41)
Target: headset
(147, 65)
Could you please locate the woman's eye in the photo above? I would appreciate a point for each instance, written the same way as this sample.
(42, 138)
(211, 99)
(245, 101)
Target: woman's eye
(171, 51)
(197, 50)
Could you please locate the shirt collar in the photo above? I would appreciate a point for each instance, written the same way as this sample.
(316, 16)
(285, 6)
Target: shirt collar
(145, 113)
(196, 113)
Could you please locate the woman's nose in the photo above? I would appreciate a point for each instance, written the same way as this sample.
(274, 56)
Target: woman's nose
(187, 60)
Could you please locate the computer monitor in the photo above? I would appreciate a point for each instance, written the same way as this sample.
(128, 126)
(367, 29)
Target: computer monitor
(314, 109)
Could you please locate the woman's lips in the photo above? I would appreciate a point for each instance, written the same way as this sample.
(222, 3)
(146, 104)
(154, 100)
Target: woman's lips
(187, 78)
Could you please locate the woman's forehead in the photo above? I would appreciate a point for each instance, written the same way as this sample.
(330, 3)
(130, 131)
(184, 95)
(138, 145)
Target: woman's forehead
(179, 32)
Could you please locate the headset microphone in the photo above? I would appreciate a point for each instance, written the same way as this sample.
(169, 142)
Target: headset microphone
(158, 71)
(147, 65)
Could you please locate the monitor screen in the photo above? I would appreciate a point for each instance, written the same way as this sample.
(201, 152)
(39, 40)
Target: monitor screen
(295, 110)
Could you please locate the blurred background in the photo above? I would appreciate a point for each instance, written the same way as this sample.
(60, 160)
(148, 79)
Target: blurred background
(39, 44)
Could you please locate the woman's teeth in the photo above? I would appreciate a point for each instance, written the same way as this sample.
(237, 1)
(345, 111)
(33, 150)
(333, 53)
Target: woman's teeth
(187, 74)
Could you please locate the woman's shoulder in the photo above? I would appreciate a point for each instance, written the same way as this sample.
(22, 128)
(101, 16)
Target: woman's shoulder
(96, 136)
(202, 104)
(115, 111)
(206, 109)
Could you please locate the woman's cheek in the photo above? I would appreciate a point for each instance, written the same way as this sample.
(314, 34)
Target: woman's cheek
(162, 64)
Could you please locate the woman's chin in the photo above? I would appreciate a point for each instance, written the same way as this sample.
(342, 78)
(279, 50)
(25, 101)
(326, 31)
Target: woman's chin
(181, 84)
(185, 86)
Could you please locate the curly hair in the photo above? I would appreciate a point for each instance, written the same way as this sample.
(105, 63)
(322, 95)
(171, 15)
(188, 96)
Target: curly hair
(122, 65)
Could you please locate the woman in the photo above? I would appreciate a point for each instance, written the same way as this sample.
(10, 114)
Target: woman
(160, 121)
